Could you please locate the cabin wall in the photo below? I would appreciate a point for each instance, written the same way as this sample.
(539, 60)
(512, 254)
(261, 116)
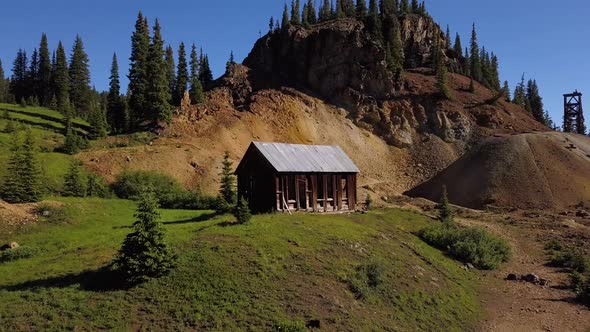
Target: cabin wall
(317, 192)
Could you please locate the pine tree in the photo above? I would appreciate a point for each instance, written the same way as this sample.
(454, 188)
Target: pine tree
(96, 118)
(448, 38)
(242, 211)
(374, 21)
(325, 11)
(32, 78)
(117, 115)
(79, 78)
(520, 93)
(271, 24)
(18, 82)
(30, 172)
(458, 47)
(311, 12)
(476, 71)
(304, 16)
(231, 60)
(227, 181)
(416, 7)
(182, 76)
(361, 9)
(392, 37)
(196, 89)
(171, 74)
(71, 144)
(205, 74)
(157, 95)
(137, 90)
(441, 74)
(144, 253)
(13, 190)
(74, 184)
(61, 80)
(348, 8)
(444, 208)
(45, 82)
(295, 12)
(507, 92)
(404, 7)
(486, 73)
(535, 101)
(495, 73)
(286, 21)
(3, 85)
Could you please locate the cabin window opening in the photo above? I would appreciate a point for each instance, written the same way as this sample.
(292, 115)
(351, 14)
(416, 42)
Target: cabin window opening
(291, 193)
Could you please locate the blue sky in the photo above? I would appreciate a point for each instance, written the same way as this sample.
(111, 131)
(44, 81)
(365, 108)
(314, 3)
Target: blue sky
(546, 40)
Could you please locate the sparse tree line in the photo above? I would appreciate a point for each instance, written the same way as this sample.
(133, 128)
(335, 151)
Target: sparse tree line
(156, 82)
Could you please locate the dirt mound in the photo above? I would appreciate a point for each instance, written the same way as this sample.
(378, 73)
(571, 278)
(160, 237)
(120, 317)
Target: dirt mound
(529, 171)
(12, 214)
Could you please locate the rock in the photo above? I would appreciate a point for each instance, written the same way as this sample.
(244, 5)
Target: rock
(544, 282)
(128, 158)
(513, 277)
(470, 266)
(582, 214)
(185, 103)
(532, 278)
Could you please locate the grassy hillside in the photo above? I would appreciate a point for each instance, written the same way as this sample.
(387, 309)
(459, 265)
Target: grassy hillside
(42, 117)
(53, 165)
(280, 270)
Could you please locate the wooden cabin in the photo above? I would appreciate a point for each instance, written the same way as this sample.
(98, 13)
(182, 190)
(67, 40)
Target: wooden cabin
(296, 177)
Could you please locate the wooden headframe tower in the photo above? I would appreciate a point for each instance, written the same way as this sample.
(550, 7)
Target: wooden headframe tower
(573, 117)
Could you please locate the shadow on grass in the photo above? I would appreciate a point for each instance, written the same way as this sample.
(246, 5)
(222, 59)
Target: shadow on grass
(201, 218)
(100, 280)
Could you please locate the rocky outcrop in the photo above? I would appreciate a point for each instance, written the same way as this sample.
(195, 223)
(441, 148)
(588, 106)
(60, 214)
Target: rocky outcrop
(337, 60)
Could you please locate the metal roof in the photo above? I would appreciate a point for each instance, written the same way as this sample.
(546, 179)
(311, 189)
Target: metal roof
(306, 158)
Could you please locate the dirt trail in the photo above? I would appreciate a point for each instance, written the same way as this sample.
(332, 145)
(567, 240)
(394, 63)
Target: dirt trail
(520, 306)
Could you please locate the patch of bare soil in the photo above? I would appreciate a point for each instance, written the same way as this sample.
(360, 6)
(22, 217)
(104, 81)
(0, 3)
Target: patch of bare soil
(523, 306)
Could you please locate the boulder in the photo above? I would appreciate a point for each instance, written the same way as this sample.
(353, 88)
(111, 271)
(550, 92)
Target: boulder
(532, 278)
(513, 277)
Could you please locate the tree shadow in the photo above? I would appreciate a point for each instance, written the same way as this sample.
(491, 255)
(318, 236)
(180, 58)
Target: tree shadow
(100, 280)
(201, 218)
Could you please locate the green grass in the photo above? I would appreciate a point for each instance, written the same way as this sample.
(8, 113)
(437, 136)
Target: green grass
(53, 165)
(277, 269)
(41, 112)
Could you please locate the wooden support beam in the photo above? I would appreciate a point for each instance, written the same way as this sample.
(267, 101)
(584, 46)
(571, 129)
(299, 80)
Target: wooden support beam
(325, 187)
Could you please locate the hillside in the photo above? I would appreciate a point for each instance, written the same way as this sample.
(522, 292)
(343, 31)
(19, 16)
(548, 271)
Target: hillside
(528, 171)
(235, 277)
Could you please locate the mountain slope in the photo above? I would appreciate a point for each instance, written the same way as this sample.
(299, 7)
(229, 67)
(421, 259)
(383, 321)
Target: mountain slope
(530, 171)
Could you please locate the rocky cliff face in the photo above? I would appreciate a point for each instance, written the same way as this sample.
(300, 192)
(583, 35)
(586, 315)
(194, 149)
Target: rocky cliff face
(332, 59)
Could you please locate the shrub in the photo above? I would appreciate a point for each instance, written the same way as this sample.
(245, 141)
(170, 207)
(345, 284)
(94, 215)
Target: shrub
(169, 192)
(52, 214)
(368, 202)
(129, 185)
(290, 326)
(481, 248)
(96, 187)
(471, 245)
(22, 252)
(242, 211)
(366, 279)
(570, 259)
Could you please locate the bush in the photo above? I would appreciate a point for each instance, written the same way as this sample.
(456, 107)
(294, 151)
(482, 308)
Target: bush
(96, 187)
(470, 245)
(52, 214)
(242, 211)
(22, 252)
(169, 192)
(129, 185)
(366, 279)
(222, 206)
(570, 259)
(290, 326)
